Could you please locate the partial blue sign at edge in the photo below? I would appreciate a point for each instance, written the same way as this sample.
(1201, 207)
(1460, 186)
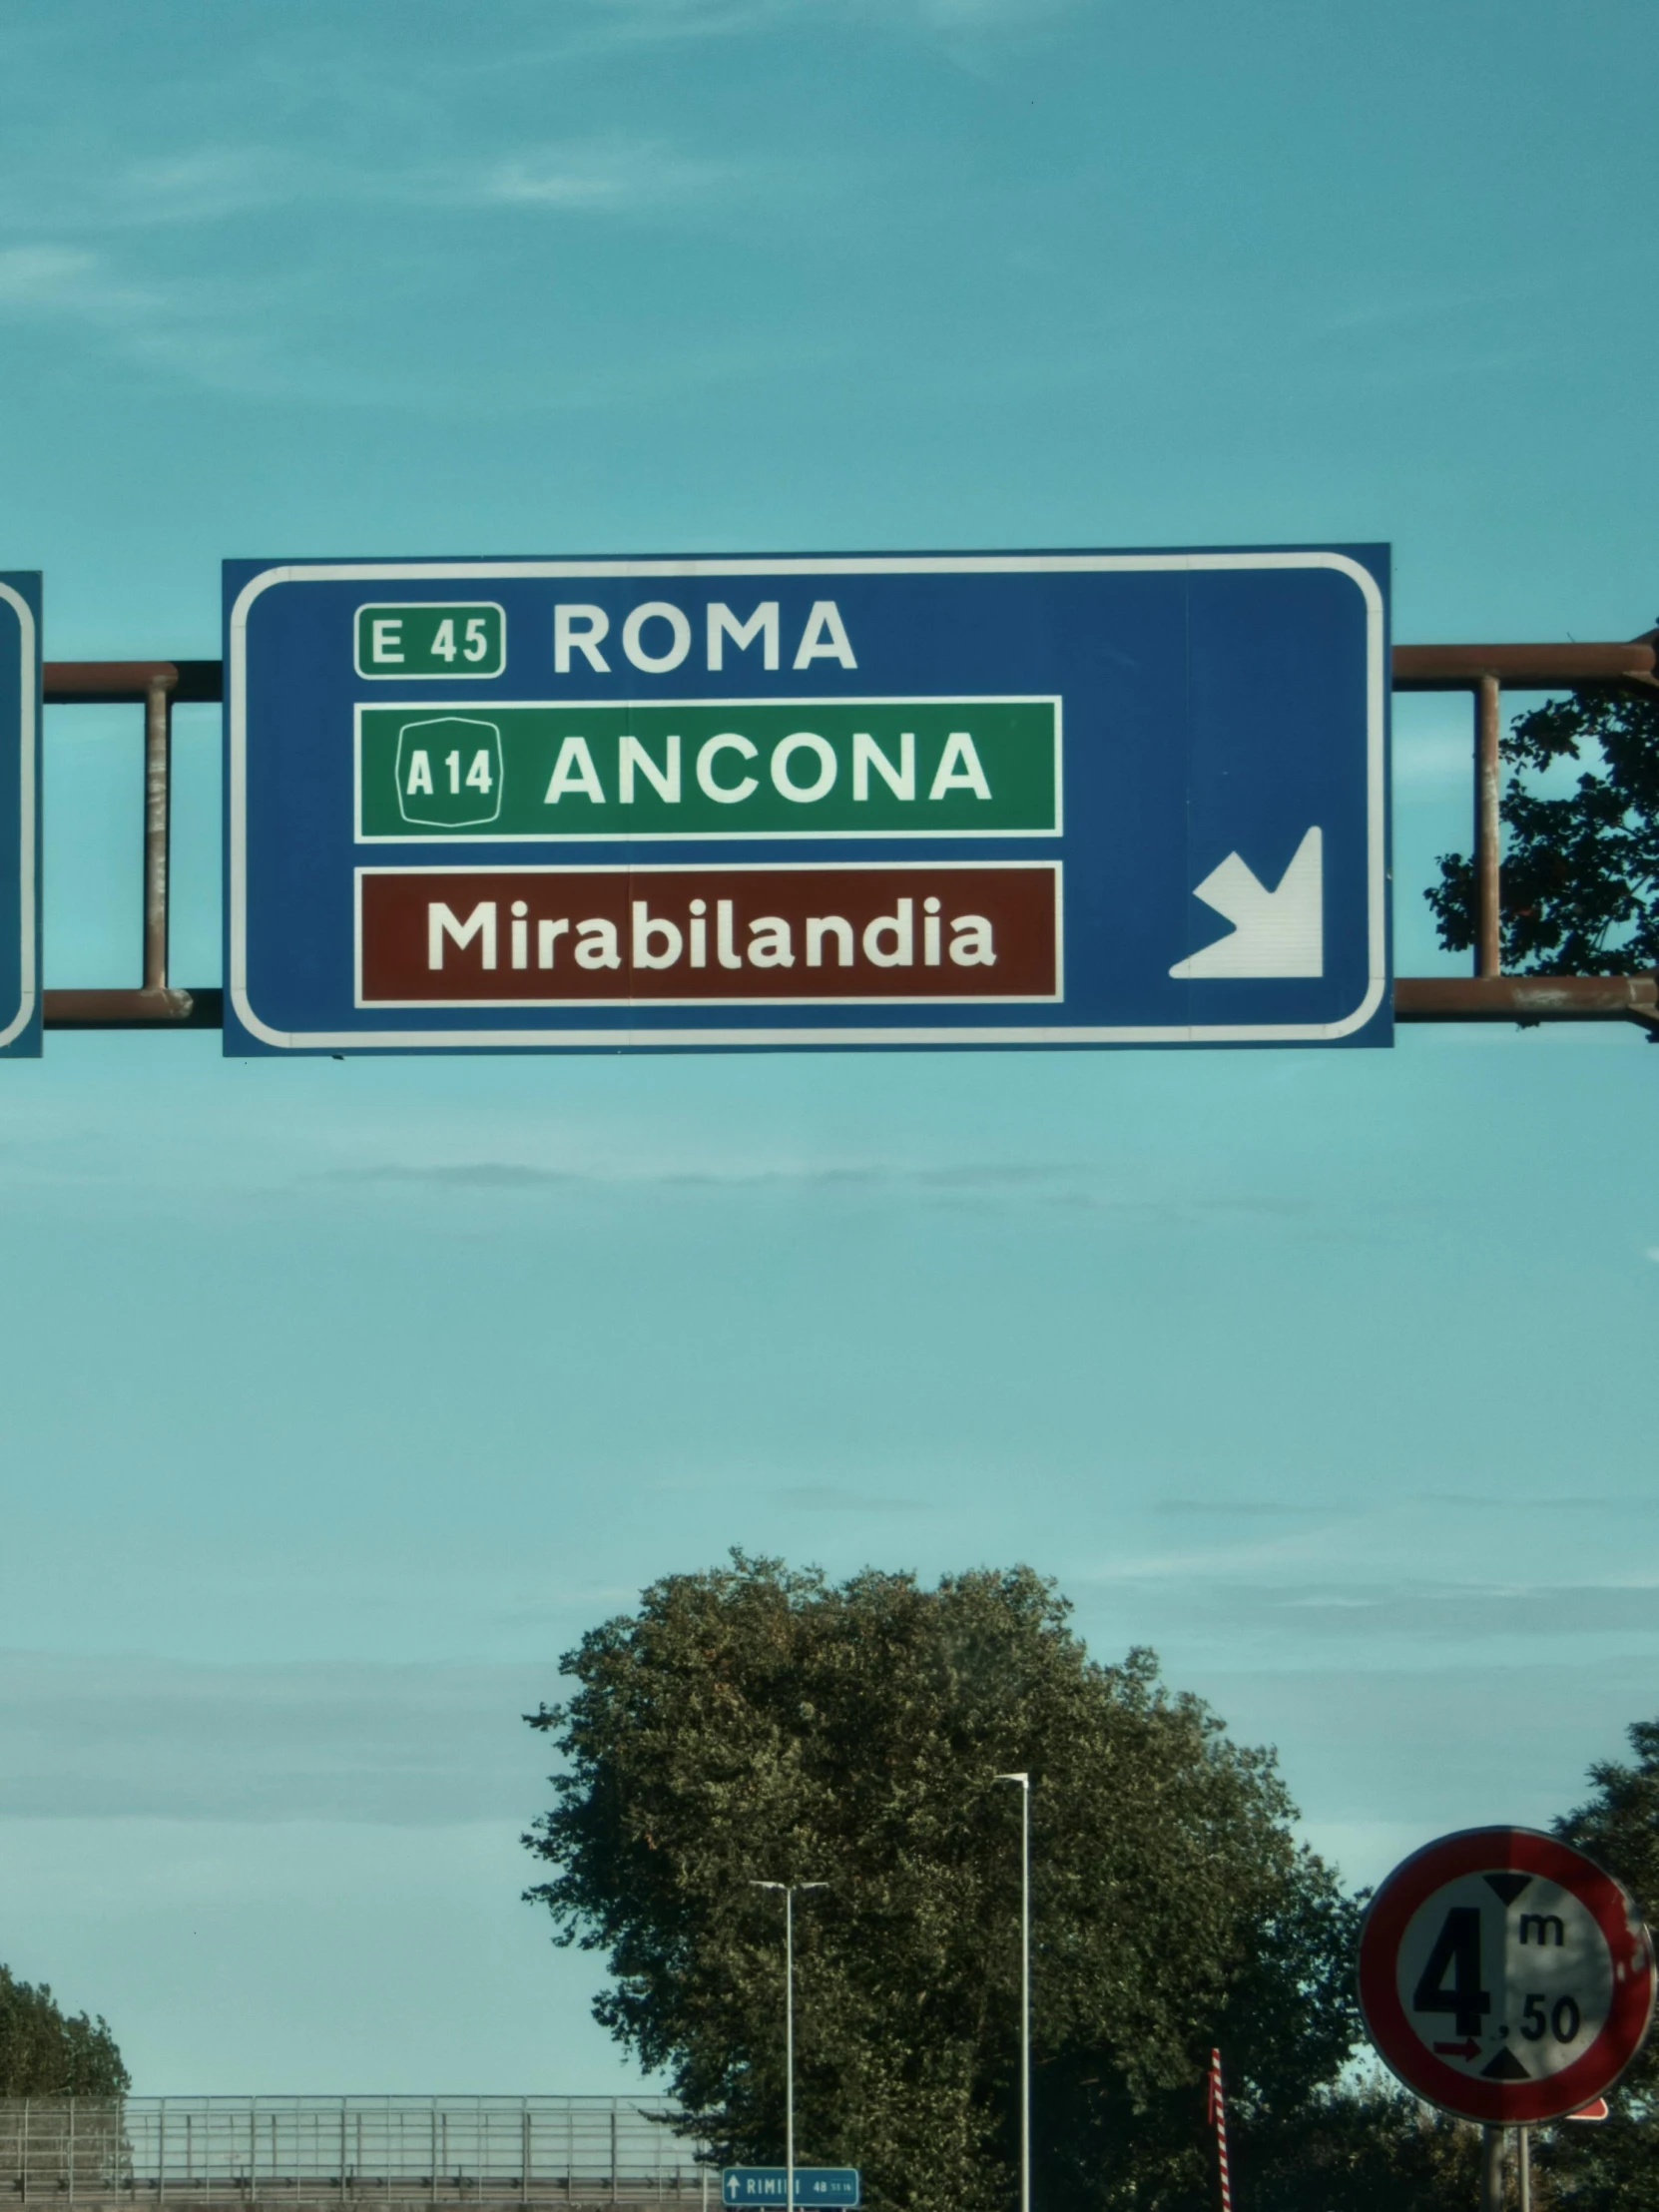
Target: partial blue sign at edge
(20, 717)
(762, 2185)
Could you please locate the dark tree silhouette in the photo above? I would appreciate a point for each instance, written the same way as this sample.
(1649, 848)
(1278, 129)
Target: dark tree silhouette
(46, 2053)
(1580, 886)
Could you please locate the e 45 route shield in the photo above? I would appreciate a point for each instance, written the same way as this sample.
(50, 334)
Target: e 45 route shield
(1013, 800)
(1505, 1977)
(20, 709)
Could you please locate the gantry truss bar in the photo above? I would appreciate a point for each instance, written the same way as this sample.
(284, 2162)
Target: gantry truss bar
(1489, 994)
(156, 686)
(333, 2154)
(1480, 670)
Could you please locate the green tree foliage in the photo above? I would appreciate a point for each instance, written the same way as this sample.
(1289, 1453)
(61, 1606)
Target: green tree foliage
(1581, 885)
(755, 1723)
(1369, 2148)
(1615, 2167)
(46, 2053)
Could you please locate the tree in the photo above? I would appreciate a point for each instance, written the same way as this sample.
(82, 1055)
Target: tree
(1580, 883)
(1372, 2148)
(754, 1723)
(46, 2053)
(1615, 2167)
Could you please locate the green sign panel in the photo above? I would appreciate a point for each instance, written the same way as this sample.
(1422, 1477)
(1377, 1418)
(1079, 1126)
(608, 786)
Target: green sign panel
(417, 640)
(710, 769)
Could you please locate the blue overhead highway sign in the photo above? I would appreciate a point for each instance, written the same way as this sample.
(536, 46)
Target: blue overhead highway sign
(863, 801)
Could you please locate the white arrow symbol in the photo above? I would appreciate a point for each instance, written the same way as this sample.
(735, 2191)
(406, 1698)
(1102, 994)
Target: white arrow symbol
(1277, 932)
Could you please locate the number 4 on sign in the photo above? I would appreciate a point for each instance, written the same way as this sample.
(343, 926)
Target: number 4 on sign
(419, 782)
(478, 644)
(477, 775)
(1458, 1946)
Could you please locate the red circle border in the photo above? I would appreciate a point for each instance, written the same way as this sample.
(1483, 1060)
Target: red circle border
(1528, 1850)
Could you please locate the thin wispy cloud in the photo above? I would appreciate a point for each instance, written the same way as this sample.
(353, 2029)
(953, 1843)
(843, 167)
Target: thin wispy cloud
(209, 330)
(1506, 1501)
(463, 1175)
(1061, 1187)
(641, 21)
(1240, 1509)
(73, 190)
(826, 1497)
(61, 279)
(404, 1745)
(212, 184)
(995, 17)
(514, 1174)
(635, 22)
(1426, 1615)
(177, 263)
(1270, 1556)
(1458, 1612)
(279, 335)
(613, 179)
(204, 185)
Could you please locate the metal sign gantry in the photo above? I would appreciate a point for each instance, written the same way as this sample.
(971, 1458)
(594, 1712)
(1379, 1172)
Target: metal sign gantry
(1481, 671)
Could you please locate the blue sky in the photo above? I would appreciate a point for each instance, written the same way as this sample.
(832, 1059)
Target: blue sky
(341, 1397)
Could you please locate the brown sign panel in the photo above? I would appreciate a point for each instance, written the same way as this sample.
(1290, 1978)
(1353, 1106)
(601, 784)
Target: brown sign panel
(708, 935)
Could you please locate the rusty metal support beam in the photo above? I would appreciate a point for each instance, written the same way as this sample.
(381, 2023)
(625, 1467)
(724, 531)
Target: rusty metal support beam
(1527, 998)
(156, 686)
(158, 822)
(1525, 667)
(1489, 833)
(145, 1009)
(84, 682)
(79, 683)
(1435, 668)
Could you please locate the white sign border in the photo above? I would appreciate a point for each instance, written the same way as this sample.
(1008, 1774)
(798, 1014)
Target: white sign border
(556, 839)
(780, 1037)
(450, 676)
(1054, 869)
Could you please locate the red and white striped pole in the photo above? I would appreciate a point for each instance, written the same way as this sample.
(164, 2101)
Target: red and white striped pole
(1214, 2111)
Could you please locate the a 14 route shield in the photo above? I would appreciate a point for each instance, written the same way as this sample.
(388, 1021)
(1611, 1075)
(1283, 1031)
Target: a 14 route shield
(953, 799)
(20, 706)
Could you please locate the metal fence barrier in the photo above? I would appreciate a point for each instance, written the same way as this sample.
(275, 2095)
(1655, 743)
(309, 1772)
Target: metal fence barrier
(216, 2154)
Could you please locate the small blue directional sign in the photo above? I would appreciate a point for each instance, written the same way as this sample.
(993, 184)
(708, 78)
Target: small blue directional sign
(825, 803)
(761, 2185)
(20, 700)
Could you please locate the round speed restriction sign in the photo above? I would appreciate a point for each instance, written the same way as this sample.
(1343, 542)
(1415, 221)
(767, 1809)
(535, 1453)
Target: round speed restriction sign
(1505, 1977)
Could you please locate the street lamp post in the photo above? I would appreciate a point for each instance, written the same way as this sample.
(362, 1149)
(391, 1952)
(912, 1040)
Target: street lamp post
(788, 1888)
(1024, 1780)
